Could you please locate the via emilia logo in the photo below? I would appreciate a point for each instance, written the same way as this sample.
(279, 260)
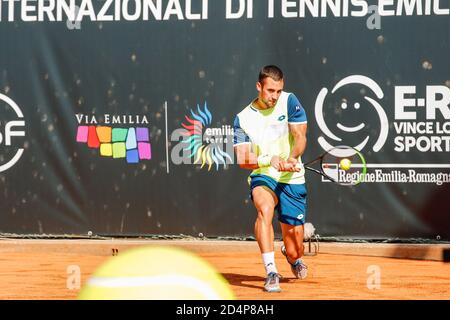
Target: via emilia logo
(123, 137)
(200, 143)
(12, 125)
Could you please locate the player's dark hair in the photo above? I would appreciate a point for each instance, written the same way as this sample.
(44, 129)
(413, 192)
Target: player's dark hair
(270, 72)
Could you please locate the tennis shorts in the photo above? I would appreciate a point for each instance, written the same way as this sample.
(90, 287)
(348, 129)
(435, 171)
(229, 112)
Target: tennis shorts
(291, 207)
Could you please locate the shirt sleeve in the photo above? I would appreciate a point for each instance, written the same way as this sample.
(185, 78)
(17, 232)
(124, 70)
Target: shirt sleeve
(296, 113)
(240, 136)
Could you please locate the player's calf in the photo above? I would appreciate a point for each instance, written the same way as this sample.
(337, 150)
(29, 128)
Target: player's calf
(298, 268)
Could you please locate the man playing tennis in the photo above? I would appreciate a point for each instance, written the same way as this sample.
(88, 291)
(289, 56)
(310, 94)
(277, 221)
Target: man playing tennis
(269, 139)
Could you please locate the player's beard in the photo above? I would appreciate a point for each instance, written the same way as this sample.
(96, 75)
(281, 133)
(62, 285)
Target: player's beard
(269, 103)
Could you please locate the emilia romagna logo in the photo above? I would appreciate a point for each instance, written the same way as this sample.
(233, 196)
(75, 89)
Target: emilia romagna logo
(200, 143)
(118, 141)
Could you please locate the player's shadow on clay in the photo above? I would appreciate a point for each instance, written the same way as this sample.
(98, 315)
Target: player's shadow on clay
(244, 280)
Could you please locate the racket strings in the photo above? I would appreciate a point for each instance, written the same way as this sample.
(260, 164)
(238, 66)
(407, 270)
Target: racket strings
(345, 166)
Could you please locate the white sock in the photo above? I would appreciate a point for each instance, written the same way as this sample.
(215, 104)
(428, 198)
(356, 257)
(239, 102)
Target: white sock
(269, 262)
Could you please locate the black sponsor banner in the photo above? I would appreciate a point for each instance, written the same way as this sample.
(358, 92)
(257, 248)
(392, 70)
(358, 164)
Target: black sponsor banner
(116, 117)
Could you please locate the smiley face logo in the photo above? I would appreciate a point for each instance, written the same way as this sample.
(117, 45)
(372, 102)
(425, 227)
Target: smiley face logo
(384, 124)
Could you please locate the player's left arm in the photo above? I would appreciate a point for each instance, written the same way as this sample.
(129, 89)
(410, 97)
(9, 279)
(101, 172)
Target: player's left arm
(298, 132)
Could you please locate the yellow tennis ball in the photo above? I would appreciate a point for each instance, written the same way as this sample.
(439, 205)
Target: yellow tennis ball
(345, 164)
(156, 273)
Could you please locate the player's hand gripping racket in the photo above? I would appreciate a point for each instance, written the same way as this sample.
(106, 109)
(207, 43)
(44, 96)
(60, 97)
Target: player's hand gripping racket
(343, 165)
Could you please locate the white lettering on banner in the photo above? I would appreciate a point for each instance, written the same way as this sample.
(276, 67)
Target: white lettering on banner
(433, 103)
(163, 10)
(270, 9)
(112, 119)
(422, 143)
(25, 9)
(46, 8)
(408, 107)
(10, 11)
(384, 11)
(107, 10)
(395, 176)
(285, 5)
(102, 14)
(422, 127)
(86, 9)
(70, 9)
(129, 16)
(223, 131)
(12, 133)
(437, 98)
(355, 8)
(364, 8)
(173, 8)
(243, 5)
(401, 103)
(410, 7)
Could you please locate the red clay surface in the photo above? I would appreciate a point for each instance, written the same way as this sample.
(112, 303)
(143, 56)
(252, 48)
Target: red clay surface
(44, 275)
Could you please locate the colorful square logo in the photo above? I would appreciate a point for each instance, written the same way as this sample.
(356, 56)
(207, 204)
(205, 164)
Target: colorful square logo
(131, 144)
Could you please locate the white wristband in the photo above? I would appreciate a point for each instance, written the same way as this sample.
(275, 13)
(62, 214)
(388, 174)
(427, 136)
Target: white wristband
(264, 160)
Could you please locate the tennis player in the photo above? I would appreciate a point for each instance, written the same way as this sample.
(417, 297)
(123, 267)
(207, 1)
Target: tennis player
(269, 139)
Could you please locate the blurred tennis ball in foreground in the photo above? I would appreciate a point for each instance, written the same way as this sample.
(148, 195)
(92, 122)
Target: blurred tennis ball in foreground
(156, 273)
(345, 164)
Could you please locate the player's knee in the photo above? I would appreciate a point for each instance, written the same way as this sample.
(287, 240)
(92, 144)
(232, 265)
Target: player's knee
(262, 220)
(265, 212)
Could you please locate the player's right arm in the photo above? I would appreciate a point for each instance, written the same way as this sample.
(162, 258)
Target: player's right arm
(244, 155)
(248, 160)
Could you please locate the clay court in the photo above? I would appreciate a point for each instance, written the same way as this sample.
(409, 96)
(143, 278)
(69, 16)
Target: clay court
(43, 269)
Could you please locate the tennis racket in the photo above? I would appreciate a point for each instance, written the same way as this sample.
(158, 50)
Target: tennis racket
(343, 165)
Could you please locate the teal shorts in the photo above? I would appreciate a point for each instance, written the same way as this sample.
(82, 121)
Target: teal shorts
(291, 205)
